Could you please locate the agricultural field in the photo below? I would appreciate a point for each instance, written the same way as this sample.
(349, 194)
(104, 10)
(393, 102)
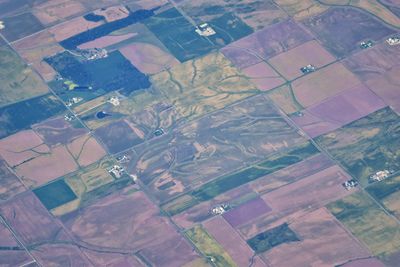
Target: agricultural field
(10, 185)
(35, 48)
(367, 145)
(332, 29)
(229, 240)
(337, 111)
(369, 223)
(288, 64)
(89, 79)
(37, 163)
(321, 241)
(38, 231)
(172, 25)
(130, 224)
(20, 116)
(378, 68)
(301, 9)
(313, 88)
(295, 200)
(255, 13)
(18, 81)
(266, 43)
(387, 193)
(19, 26)
(12, 253)
(52, 12)
(209, 247)
(374, 7)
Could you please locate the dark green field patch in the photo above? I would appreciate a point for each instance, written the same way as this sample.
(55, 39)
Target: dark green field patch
(22, 115)
(272, 238)
(178, 35)
(384, 188)
(229, 28)
(230, 181)
(55, 194)
(20, 26)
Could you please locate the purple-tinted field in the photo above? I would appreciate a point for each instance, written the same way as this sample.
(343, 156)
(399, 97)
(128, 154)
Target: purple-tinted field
(263, 76)
(57, 131)
(11, 253)
(265, 44)
(37, 230)
(112, 259)
(296, 199)
(230, 240)
(379, 68)
(118, 136)
(371, 262)
(342, 29)
(339, 110)
(246, 212)
(323, 243)
(9, 183)
(128, 222)
(289, 63)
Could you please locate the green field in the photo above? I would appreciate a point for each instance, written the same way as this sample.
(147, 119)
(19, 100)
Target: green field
(178, 35)
(367, 145)
(387, 192)
(18, 81)
(55, 194)
(209, 247)
(22, 115)
(369, 223)
(272, 238)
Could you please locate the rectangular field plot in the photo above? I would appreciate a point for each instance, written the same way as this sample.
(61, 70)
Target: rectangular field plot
(367, 145)
(387, 192)
(55, 194)
(339, 110)
(230, 241)
(266, 43)
(209, 247)
(18, 81)
(19, 26)
(255, 13)
(368, 222)
(22, 115)
(378, 68)
(321, 242)
(342, 29)
(172, 25)
(211, 146)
